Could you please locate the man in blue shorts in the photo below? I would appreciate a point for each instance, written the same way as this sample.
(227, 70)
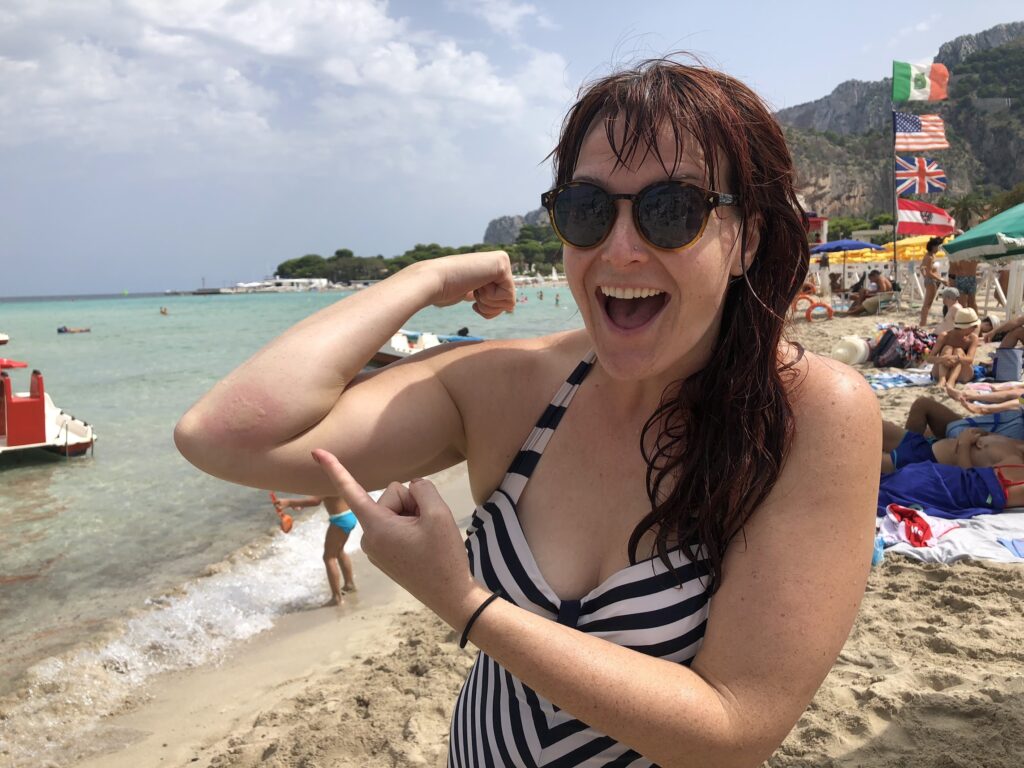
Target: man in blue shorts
(927, 415)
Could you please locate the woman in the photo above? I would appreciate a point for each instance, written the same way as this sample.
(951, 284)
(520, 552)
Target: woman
(654, 606)
(930, 277)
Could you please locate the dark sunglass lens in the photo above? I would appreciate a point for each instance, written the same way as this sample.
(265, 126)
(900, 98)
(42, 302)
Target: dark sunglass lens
(670, 215)
(583, 214)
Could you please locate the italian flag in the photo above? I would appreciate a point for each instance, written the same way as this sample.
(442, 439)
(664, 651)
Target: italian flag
(919, 82)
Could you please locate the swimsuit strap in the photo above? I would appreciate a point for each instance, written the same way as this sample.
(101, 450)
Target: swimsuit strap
(1004, 481)
(529, 455)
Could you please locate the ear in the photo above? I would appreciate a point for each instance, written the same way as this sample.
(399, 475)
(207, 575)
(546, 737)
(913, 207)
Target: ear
(742, 258)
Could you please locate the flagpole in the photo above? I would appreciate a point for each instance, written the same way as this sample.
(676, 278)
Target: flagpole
(895, 195)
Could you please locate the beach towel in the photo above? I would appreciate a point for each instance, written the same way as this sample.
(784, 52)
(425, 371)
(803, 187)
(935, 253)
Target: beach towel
(1016, 546)
(942, 491)
(977, 538)
(883, 381)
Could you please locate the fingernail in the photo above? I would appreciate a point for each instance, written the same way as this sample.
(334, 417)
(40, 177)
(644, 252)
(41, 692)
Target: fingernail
(315, 457)
(416, 480)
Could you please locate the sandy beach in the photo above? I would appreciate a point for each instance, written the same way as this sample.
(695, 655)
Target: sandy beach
(931, 675)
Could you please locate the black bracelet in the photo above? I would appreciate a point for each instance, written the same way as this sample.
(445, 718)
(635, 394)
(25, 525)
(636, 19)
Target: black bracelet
(476, 615)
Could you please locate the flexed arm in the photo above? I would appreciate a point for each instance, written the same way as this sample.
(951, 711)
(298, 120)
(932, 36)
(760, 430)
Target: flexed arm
(257, 426)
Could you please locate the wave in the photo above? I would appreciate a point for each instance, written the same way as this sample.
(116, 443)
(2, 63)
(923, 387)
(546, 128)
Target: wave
(57, 712)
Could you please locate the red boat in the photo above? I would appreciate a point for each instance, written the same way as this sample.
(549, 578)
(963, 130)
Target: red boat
(31, 420)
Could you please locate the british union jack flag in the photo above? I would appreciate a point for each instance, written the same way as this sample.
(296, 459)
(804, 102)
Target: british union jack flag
(918, 176)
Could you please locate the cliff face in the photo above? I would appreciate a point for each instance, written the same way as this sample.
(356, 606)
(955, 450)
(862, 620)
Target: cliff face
(842, 143)
(505, 229)
(956, 51)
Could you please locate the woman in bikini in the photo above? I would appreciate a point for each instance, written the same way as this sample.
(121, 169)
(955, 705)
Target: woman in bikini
(630, 580)
(930, 276)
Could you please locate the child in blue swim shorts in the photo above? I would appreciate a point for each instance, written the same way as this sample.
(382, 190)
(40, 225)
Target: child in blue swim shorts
(336, 560)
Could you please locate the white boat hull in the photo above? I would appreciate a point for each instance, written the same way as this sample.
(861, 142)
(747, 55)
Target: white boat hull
(64, 433)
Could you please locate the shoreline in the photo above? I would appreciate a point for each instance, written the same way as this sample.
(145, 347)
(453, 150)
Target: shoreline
(931, 673)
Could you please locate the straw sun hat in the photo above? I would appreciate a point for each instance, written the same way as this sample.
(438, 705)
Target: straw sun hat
(966, 318)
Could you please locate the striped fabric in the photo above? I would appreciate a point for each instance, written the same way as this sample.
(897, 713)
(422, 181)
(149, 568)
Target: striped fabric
(500, 721)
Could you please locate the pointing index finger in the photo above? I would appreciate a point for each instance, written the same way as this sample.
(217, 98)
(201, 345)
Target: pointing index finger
(361, 503)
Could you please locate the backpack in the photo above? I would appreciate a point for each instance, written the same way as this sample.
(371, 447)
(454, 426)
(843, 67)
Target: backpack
(901, 347)
(888, 351)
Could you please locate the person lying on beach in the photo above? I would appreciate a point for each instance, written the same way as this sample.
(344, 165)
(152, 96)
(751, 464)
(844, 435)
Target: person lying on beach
(928, 416)
(868, 299)
(1008, 334)
(952, 357)
(948, 491)
(341, 521)
(972, 447)
(597, 456)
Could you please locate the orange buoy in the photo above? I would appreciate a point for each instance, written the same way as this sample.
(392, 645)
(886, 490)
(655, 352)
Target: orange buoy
(812, 313)
(803, 302)
(286, 519)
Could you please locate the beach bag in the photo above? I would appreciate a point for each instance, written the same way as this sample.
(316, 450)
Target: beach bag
(1008, 365)
(889, 352)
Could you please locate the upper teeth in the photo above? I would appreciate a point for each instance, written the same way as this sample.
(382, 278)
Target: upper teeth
(629, 293)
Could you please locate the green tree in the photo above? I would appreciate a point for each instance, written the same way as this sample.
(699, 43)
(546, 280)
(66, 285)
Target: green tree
(310, 265)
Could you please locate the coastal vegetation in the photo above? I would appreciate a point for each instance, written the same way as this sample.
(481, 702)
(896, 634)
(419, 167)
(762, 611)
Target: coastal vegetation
(536, 249)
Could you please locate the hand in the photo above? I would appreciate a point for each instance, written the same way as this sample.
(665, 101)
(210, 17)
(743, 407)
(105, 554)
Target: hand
(483, 278)
(411, 536)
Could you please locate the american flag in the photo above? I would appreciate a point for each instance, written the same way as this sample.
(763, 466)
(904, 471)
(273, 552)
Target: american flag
(915, 132)
(919, 176)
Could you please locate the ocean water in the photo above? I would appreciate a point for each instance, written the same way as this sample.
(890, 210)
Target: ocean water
(129, 562)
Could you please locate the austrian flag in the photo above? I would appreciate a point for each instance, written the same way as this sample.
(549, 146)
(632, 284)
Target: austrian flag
(918, 176)
(917, 218)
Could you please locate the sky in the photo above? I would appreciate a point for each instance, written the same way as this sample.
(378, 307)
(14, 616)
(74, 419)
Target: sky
(152, 145)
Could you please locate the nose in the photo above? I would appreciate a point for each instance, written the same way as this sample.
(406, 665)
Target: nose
(624, 246)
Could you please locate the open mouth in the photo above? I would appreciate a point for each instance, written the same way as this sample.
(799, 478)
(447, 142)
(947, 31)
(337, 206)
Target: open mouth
(631, 308)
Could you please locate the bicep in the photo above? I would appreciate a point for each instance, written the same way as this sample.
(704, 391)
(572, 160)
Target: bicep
(794, 578)
(392, 424)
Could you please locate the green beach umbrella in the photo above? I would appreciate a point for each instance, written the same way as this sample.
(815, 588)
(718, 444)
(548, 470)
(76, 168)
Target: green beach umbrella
(999, 239)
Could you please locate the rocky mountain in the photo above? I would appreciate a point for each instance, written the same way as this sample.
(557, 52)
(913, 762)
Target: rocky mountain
(843, 142)
(505, 229)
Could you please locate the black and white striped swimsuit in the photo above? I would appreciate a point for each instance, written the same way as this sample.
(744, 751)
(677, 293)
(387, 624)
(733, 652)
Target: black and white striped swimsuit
(499, 721)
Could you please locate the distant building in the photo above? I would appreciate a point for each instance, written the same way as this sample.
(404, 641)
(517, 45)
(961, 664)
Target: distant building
(817, 228)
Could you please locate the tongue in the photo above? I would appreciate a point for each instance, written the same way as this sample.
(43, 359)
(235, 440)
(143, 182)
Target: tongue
(632, 313)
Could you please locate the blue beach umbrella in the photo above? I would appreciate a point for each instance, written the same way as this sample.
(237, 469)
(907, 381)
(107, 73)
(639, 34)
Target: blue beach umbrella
(844, 245)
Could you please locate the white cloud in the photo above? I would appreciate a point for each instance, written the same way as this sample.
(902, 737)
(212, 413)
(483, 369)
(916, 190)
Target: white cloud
(503, 16)
(295, 84)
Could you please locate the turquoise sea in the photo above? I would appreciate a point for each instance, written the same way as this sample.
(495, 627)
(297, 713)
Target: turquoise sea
(129, 563)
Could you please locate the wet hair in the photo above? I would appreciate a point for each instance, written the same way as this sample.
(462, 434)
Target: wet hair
(717, 443)
(933, 244)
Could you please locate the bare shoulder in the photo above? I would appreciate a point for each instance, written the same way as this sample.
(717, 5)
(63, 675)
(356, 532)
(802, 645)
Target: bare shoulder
(480, 370)
(827, 394)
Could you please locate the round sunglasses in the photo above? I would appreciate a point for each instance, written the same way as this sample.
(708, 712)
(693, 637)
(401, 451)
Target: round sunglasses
(668, 214)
